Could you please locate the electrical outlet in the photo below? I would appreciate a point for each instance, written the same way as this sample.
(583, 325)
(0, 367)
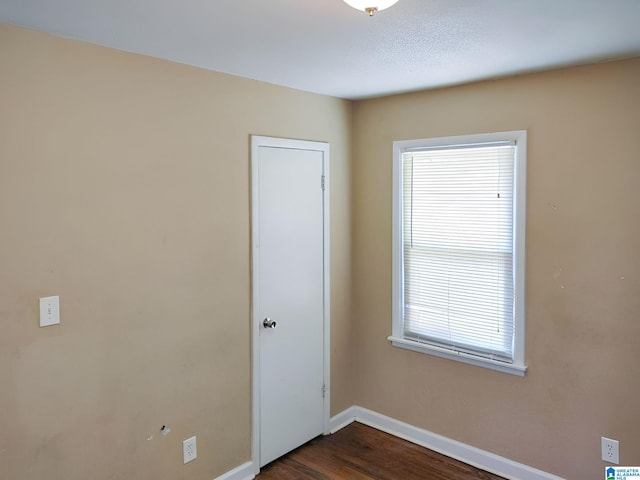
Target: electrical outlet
(610, 452)
(189, 450)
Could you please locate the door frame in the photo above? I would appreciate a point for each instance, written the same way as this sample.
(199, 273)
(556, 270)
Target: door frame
(258, 141)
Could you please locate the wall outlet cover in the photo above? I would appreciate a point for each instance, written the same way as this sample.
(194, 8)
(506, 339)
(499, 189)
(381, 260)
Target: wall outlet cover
(610, 450)
(189, 449)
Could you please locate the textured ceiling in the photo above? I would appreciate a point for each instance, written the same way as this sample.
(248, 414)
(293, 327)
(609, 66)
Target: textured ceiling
(327, 47)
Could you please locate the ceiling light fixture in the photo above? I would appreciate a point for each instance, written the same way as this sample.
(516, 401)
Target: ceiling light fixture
(370, 6)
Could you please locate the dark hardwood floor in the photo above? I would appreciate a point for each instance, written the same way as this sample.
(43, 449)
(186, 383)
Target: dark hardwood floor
(359, 452)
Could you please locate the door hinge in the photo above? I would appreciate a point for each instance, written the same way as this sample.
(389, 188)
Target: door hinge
(324, 391)
(322, 182)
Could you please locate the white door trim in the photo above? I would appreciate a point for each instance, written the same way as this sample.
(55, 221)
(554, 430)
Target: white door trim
(257, 142)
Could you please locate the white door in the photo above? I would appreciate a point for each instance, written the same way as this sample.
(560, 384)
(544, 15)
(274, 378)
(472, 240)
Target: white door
(290, 297)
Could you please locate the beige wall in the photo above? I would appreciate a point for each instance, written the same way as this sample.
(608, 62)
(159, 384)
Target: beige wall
(124, 188)
(583, 270)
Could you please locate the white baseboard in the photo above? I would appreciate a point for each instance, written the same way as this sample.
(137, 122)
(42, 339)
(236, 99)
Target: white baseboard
(246, 471)
(343, 419)
(482, 459)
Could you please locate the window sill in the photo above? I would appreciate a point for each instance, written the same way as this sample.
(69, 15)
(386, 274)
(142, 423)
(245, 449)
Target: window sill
(518, 370)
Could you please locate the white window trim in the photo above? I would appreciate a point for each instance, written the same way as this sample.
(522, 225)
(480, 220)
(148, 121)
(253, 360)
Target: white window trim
(397, 339)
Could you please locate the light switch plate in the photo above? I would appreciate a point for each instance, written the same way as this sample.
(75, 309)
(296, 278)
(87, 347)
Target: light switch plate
(49, 311)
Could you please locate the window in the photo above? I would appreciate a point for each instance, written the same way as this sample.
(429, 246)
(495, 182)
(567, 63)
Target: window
(458, 248)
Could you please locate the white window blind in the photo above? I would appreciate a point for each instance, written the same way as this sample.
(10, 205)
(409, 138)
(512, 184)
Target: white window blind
(457, 266)
(457, 210)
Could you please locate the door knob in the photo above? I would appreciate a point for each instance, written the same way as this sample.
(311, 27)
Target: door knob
(268, 323)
